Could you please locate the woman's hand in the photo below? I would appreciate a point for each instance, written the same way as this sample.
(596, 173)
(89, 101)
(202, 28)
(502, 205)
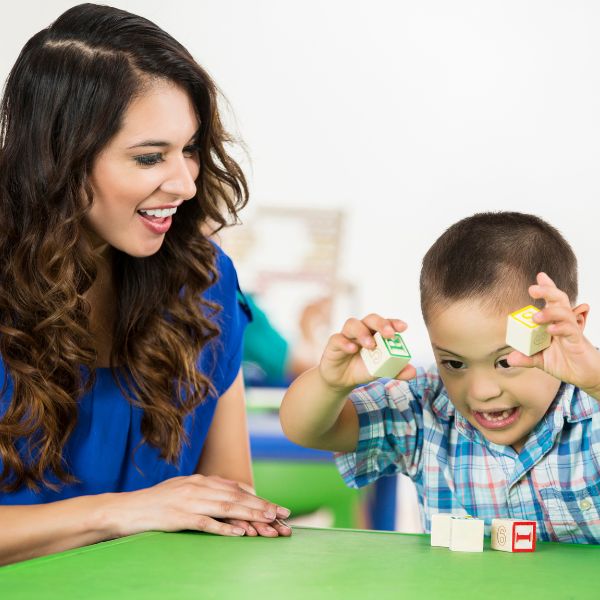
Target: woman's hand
(341, 365)
(570, 357)
(199, 503)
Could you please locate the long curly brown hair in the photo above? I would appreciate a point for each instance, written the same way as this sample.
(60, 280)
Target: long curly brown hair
(64, 100)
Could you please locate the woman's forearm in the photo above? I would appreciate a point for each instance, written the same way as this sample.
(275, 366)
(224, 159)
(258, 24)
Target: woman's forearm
(31, 531)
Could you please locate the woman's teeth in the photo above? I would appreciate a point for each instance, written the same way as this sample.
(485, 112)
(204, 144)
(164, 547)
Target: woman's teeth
(159, 212)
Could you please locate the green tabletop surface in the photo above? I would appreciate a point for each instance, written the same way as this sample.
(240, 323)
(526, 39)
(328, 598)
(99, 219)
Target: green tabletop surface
(312, 564)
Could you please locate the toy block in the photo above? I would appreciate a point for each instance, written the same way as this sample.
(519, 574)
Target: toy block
(388, 358)
(466, 534)
(523, 334)
(440, 529)
(513, 535)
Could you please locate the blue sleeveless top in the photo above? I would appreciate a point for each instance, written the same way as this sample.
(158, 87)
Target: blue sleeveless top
(104, 450)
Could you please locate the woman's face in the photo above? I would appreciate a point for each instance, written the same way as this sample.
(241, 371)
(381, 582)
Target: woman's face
(146, 171)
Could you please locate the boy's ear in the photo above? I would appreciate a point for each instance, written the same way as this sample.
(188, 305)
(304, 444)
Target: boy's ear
(581, 313)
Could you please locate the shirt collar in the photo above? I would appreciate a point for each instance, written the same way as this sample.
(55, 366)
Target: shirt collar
(570, 403)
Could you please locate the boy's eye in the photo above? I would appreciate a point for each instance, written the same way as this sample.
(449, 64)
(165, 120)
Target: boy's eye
(453, 365)
(148, 160)
(503, 363)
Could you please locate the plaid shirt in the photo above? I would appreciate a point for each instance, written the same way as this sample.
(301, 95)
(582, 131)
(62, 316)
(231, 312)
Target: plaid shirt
(413, 428)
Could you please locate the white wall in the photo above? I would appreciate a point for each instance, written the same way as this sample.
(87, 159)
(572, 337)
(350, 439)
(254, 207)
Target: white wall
(408, 114)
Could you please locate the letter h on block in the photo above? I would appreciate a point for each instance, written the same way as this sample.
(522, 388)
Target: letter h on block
(512, 535)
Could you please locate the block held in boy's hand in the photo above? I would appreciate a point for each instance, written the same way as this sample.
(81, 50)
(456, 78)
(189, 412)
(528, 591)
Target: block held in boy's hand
(388, 358)
(524, 334)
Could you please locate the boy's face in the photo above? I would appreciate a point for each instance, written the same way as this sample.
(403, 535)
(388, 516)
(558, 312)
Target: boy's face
(504, 403)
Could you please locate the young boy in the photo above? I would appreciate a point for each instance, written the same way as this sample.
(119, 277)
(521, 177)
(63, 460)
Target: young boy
(490, 432)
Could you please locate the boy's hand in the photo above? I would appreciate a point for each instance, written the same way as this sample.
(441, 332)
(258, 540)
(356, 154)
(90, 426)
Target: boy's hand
(341, 365)
(570, 357)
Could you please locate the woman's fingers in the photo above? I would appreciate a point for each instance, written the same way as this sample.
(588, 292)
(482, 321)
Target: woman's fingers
(210, 525)
(247, 527)
(282, 527)
(220, 491)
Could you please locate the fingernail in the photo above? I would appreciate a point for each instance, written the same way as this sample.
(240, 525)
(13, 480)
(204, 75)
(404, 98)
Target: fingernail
(283, 512)
(282, 522)
(239, 531)
(270, 514)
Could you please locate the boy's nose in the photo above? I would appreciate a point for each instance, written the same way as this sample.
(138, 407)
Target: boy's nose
(482, 388)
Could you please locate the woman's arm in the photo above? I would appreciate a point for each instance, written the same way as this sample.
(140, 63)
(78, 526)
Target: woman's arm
(30, 531)
(217, 501)
(226, 453)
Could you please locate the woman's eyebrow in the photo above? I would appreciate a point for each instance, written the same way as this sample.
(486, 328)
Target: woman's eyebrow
(153, 143)
(161, 143)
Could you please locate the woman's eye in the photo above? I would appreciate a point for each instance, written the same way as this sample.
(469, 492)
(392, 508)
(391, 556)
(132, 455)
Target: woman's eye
(503, 363)
(191, 151)
(148, 160)
(453, 365)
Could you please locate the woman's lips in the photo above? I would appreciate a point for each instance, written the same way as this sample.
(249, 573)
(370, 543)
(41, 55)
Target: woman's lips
(157, 225)
(497, 419)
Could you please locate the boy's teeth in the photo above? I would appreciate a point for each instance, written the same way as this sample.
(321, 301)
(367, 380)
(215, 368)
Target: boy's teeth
(496, 416)
(159, 212)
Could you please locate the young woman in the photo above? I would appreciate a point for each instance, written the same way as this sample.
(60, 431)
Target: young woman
(121, 406)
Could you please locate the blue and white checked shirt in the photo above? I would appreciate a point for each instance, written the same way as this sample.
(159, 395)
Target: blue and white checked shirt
(413, 428)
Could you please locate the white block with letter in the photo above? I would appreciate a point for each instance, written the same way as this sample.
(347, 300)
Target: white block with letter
(388, 358)
(466, 534)
(524, 334)
(440, 529)
(513, 535)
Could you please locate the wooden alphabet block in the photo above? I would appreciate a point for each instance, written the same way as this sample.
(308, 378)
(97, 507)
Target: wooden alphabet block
(466, 534)
(513, 535)
(440, 529)
(523, 334)
(388, 358)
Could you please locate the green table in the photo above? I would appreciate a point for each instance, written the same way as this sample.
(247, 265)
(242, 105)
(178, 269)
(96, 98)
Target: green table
(312, 564)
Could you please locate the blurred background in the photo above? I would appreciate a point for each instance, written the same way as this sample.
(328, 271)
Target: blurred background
(367, 128)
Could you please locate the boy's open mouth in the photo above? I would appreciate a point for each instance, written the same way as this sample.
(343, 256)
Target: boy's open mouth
(497, 419)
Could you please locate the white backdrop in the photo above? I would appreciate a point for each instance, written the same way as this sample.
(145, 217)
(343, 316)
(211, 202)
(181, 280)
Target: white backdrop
(407, 114)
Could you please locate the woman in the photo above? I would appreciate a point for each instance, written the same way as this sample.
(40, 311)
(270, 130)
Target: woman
(122, 408)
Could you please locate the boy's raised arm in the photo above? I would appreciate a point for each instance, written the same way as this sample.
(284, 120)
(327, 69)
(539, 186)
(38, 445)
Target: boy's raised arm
(316, 411)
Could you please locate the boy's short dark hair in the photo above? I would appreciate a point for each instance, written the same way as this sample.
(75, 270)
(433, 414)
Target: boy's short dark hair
(495, 257)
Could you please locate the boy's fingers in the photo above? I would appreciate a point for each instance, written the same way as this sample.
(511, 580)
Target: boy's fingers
(409, 372)
(338, 341)
(357, 331)
(555, 314)
(544, 279)
(399, 325)
(518, 359)
(550, 293)
(361, 331)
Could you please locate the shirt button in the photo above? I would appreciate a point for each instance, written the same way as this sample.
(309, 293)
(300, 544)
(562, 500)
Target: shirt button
(585, 504)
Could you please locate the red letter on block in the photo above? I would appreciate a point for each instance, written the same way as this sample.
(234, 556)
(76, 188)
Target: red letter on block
(523, 538)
